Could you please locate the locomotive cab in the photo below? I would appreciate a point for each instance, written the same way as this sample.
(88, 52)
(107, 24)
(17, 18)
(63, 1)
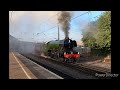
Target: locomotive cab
(74, 43)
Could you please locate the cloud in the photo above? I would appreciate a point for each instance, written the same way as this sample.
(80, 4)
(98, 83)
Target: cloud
(45, 17)
(15, 15)
(48, 18)
(37, 15)
(29, 21)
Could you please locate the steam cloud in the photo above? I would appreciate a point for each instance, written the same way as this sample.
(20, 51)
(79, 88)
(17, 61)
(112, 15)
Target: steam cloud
(64, 19)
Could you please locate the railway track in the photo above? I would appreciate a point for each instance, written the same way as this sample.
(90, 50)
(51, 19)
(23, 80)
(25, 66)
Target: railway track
(79, 71)
(84, 67)
(64, 76)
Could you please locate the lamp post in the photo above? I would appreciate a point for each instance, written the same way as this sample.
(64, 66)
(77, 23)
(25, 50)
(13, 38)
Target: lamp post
(58, 33)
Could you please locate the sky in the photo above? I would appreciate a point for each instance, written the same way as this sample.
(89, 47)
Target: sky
(42, 26)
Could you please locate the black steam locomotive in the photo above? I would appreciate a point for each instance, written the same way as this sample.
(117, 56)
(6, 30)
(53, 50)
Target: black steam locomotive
(62, 49)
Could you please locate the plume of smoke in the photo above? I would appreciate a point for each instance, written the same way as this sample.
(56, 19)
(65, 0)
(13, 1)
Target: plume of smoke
(64, 19)
(90, 28)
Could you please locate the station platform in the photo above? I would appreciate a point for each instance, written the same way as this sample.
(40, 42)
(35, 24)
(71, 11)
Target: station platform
(17, 70)
(21, 67)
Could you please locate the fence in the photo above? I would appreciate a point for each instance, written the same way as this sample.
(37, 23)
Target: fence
(83, 50)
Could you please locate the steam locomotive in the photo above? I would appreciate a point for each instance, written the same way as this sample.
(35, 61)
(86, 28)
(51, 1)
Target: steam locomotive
(62, 49)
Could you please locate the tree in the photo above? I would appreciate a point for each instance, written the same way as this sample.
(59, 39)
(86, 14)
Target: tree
(89, 35)
(103, 35)
(98, 35)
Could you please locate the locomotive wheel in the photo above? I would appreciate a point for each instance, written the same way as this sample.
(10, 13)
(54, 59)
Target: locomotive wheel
(74, 60)
(67, 60)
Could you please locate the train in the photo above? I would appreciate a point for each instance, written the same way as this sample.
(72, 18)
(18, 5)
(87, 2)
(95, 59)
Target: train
(64, 49)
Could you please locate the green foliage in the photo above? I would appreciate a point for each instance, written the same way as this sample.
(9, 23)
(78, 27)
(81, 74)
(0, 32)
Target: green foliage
(103, 38)
(89, 40)
(89, 36)
(98, 33)
(100, 52)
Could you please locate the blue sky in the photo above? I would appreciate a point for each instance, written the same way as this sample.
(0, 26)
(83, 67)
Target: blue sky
(29, 26)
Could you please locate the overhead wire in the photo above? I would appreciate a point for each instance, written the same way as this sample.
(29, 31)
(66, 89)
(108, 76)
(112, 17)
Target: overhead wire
(65, 19)
(71, 19)
(57, 23)
(89, 12)
(49, 18)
